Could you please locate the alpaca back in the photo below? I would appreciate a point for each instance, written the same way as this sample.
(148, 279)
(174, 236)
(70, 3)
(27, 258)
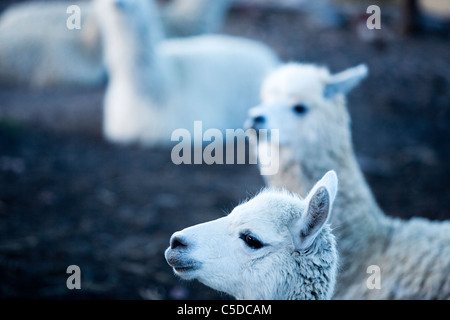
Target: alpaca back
(216, 78)
(416, 265)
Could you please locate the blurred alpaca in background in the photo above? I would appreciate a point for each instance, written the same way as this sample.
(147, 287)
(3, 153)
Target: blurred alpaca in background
(190, 18)
(308, 105)
(37, 49)
(156, 86)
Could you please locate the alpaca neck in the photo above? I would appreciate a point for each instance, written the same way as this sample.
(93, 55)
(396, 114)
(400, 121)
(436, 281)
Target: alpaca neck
(357, 220)
(130, 54)
(136, 92)
(138, 70)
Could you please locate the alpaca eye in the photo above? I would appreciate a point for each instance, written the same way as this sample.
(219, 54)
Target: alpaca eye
(251, 241)
(300, 109)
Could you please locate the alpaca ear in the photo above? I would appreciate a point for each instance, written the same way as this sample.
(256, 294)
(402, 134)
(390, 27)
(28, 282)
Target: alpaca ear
(344, 81)
(319, 203)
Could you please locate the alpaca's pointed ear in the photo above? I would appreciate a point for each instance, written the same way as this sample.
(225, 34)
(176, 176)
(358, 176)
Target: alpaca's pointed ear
(319, 203)
(344, 81)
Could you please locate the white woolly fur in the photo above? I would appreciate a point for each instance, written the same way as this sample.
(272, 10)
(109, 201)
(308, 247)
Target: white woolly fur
(157, 86)
(307, 104)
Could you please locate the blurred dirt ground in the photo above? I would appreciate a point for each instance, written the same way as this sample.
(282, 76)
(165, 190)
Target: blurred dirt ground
(68, 197)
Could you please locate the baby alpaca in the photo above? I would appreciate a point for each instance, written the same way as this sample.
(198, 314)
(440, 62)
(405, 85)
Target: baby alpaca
(307, 104)
(274, 246)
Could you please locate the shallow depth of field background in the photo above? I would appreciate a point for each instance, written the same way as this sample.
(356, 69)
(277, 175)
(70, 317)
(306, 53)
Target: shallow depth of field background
(68, 197)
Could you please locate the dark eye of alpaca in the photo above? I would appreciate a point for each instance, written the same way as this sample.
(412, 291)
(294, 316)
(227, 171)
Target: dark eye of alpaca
(300, 109)
(251, 241)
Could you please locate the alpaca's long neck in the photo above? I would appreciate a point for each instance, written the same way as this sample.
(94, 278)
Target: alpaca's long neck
(130, 55)
(357, 220)
(362, 230)
(136, 92)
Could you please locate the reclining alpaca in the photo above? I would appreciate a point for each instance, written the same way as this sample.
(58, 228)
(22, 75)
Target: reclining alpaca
(38, 50)
(275, 246)
(157, 86)
(308, 106)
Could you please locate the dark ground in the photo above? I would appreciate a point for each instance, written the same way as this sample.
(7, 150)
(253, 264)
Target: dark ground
(67, 197)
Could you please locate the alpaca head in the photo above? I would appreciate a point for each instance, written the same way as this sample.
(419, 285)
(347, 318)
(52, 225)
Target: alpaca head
(307, 104)
(274, 246)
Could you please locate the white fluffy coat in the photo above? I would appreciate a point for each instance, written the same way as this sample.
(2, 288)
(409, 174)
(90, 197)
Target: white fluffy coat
(158, 86)
(413, 255)
(37, 49)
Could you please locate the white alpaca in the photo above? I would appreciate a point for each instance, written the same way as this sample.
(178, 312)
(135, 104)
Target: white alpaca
(275, 246)
(157, 86)
(307, 104)
(38, 50)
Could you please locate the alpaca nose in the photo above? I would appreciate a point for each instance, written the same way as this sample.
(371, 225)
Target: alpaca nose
(259, 120)
(255, 122)
(178, 242)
